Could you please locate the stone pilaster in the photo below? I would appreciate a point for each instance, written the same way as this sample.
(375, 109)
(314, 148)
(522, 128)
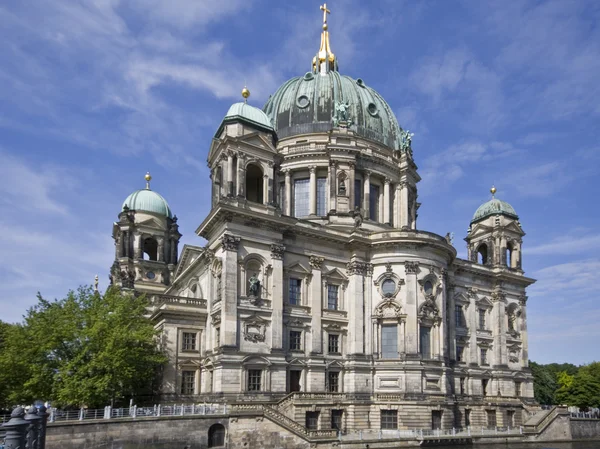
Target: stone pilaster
(356, 273)
(230, 174)
(412, 305)
(523, 320)
(367, 194)
(288, 192)
(332, 186)
(473, 325)
(229, 316)
(312, 210)
(368, 342)
(316, 305)
(498, 328)
(386, 201)
(241, 176)
(277, 252)
(404, 207)
(351, 181)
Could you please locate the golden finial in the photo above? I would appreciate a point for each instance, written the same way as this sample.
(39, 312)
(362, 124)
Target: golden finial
(493, 191)
(325, 59)
(148, 178)
(245, 94)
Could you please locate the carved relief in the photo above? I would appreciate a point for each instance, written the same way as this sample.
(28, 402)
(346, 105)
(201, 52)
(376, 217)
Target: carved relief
(429, 312)
(230, 242)
(411, 267)
(277, 251)
(315, 262)
(356, 268)
(388, 309)
(255, 329)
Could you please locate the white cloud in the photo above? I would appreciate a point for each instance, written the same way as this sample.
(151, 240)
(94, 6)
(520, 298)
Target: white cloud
(566, 245)
(567, 281)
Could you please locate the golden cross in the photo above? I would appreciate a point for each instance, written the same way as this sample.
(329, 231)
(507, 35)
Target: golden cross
(325, 12)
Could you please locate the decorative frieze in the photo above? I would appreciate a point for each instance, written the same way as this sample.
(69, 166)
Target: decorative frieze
(230, 242)
(277, 250)
(356, 268)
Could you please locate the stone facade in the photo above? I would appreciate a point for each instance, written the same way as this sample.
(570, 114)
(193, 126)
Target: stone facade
(316, 281)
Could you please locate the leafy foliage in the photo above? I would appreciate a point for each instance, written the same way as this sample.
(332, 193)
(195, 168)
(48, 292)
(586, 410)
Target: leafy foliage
(86, 349)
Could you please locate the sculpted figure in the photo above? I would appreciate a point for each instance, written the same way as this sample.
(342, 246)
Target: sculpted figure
(254, 285)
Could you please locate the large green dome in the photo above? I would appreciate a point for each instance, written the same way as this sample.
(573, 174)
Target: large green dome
(148, 201)
(494, 207)
(307, 104)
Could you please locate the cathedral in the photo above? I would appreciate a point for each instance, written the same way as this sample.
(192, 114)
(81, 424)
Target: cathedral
(316, 291)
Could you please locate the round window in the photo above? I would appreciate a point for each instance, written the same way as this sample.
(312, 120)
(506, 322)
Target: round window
(388, 287)
(428, 287)
(302, 101)
(150, 275)
(308, 76)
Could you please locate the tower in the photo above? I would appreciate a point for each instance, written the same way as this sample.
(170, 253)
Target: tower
(146, 242)
(495, 235)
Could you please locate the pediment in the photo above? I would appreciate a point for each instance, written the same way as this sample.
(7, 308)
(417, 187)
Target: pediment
(484, 302)
(297, 362)
(334, 364)
(297, 268)
(189, 255)
(479, 230)
(335, 274)
(461, 298)
(514, 227)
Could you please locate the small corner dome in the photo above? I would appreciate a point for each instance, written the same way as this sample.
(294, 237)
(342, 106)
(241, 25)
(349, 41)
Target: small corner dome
(494, 207)
(248, 114)
(148, 201)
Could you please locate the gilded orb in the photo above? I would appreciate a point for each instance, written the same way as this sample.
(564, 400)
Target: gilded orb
(324, 27)
(245, 92)
(148, 177)
(493, 190)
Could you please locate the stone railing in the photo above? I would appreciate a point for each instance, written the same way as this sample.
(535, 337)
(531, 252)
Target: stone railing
(158, 300)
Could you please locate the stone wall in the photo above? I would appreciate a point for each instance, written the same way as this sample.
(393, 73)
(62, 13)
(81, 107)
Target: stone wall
(585, 429)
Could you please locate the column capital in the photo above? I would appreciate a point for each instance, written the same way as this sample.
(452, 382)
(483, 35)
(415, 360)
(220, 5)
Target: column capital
(315, 262)
(387, 180)
(352, 165)
(333, 163)
(403, 184)
(411, 267)
(355, 267)
(277, 250)
(367, 173)
(287, 172)
(312, 169)
(230, 242)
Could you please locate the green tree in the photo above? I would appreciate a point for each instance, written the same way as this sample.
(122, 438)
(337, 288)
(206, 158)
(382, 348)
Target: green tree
(585, 389)
(544, 383)
(86, 349)
(565, 385)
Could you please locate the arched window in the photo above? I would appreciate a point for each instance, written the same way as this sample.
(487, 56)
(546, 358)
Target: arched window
(150, 249)
(482, 254)
(428, 287)
(510, 262)
(254, 183)
(216, 435)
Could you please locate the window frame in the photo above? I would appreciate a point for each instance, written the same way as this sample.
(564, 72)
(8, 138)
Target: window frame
(333, 387)
(187, 387)
(291, 343)
(252, 375)
(185, 345)
(298, 297)
(337, 296)
(295, 182)
(334, 337)
(388, 419)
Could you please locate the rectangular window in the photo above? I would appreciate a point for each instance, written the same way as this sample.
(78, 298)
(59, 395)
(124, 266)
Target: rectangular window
(482, 319)
(467, 418)
(459, 353)
(389, 341)
(295, 341)
(374, 202)
(295, 291)
(484, 384)
(389, 419)
(218, 336)
(301, 197)
(321, 197)
(436, 419)
(334, 344)
(312, 420)
(254, 376)
(517, 389)
(358, 193)
(333, 381)
(332, 296)
(510, 418)
(188, 342)
(425, 341)
(458, 316)
(336, 419)
(462, 385)
(491, 419)
(483, 352)
(188, 382)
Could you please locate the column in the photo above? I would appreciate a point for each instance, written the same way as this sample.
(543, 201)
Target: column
(313, 190)
(473, 325)
(412, 306)
(119, 245)
(229, 299)
(404, 212)
(161, 249)
(386, 201)
(277, 251)
(265, 189)
(351, 180)
(368, 308)
(288, 192)
(451, 331)
(241, 176)
(332, 176)
(523, 320)
(230, 174)
(497, 327)
(137, 246)
(316, 305)
(443, 350)
(356, 272)
(367, 194)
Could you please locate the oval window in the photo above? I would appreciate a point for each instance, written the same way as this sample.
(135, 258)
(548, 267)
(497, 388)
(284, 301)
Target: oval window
(372, 108)
(309, 76)
(302, 101)
(150, 275)
(388, 287)
(360, 82)
(428, 287)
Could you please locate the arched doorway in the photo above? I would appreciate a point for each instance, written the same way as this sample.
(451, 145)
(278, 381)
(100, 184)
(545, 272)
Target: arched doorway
(216, 435)
(482, 254)
(254, 183)
(150, 249)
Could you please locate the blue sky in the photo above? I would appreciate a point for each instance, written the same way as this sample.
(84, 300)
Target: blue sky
(95, 93)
